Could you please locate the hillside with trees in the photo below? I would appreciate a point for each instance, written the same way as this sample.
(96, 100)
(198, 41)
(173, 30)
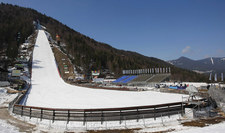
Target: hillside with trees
(84, 52)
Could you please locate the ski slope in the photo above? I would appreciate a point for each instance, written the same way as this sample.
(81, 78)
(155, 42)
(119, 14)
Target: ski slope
(49, 90)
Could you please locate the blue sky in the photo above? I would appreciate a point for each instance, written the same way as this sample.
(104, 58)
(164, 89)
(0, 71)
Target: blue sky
(165, 29)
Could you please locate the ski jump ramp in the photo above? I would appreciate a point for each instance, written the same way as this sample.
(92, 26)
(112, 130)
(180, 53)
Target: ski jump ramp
(49, 90)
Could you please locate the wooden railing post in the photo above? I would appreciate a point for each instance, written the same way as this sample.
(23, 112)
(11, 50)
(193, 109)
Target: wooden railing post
(102, 117)
(154, 114)
(168, 111)
(68, 118)
(21, 110)
(182, 109)
(84, 118)
(41, 114)
(137, 115)
(53, 119)
(120, 116)
(30, 112)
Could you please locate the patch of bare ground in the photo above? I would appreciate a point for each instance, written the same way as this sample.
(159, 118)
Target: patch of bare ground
(204, 122)
(129, 131)
(115, 131)
(21, 125)
(12, 91)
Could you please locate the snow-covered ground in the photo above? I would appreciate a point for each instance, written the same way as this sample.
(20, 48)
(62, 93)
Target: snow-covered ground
(49, 90)
(7, 128)
(4, 100)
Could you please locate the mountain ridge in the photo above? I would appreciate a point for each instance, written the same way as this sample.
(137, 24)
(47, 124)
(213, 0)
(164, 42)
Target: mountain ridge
(206, 65)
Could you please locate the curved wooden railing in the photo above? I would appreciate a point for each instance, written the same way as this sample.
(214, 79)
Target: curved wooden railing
(100, 114)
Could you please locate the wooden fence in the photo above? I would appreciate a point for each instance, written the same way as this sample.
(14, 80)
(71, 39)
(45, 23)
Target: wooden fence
(100, 115)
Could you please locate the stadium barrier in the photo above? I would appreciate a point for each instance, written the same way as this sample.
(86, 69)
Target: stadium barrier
(101, 114)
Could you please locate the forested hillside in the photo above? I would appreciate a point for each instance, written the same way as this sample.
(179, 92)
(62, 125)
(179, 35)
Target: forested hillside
(85, 52)
(12, 24)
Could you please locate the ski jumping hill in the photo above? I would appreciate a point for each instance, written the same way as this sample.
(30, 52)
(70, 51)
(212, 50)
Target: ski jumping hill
(49, 90)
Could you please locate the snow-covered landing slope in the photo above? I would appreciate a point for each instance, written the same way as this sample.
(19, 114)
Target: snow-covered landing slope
(49, 90)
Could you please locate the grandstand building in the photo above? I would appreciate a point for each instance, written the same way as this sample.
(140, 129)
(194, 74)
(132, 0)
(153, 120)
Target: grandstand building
(142, 77)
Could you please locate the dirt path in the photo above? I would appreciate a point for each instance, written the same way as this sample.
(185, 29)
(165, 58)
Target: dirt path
(21, 125)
